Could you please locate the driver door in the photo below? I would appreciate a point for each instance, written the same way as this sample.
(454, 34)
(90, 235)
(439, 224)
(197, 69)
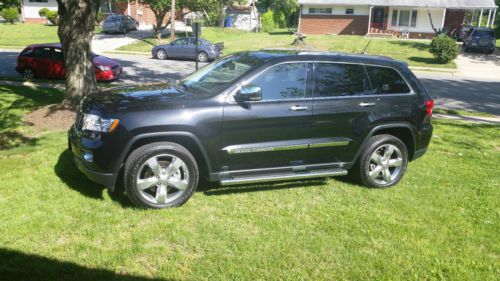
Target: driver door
(272, 132)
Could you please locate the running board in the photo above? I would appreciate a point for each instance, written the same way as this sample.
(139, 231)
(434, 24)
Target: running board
(283, 176)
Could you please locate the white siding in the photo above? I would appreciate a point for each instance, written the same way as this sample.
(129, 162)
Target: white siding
(423, 23)
(30, 9)
(339, 10)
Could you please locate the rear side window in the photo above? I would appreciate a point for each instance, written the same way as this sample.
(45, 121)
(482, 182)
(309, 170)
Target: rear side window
(483, 33)
(284, 81)
(335, 80)
(386, 81)
(42, 53)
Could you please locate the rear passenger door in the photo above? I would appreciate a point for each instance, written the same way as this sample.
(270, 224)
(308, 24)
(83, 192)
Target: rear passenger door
(343, 107)
(42, 60)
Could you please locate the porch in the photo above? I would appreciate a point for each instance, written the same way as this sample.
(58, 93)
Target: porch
(420, 22)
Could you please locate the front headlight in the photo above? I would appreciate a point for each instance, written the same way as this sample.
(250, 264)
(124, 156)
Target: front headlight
(103, 67)
(95, 123)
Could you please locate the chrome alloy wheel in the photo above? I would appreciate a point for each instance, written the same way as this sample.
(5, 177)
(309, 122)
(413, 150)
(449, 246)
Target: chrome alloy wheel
(202, 57)
(162, 179)
(161, 54)
(385, 164)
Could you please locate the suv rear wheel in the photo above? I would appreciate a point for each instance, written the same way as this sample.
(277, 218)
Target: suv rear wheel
(383, 162)
(160, 175)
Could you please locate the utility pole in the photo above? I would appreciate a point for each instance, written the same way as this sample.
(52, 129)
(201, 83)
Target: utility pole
(172, 21)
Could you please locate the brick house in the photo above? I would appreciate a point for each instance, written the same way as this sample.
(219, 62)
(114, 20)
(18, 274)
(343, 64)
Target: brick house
(142, 13)
(389, 17)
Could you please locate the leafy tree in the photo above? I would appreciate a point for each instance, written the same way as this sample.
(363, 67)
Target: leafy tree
(267, 21)
(9, 4)
(76, 26)
(10, 14)
(497, 21)
(288, 7)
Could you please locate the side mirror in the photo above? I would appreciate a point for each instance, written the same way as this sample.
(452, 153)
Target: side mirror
(248, 93)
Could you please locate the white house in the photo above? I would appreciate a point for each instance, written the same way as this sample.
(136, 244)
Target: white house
(393, 17)
(30, 9)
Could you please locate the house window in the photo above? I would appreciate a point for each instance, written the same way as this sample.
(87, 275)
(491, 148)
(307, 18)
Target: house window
(39, 1)
(320, 11)
(349, 11)
(406, 18)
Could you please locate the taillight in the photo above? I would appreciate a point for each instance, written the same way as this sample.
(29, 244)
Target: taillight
(429, 105)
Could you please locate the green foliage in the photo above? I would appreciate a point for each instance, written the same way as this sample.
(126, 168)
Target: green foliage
(279, 19)
(53, 17)
(100, 17)
(288, 8)
(10, 3)
(443, 48)
(43, 12)
(10, 14)
(267, 21)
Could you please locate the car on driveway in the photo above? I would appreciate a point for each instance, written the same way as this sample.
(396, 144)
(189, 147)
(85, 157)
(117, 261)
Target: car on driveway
(256, 117)
(119, 24)
(184, 48)
(480, 39)
(462, 32)
(47, 61)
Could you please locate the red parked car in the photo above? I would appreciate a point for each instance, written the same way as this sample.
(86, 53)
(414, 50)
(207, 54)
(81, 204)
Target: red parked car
(47, 61)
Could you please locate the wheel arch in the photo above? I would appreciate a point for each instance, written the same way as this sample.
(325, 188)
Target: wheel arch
(403, 131)
(185, 139)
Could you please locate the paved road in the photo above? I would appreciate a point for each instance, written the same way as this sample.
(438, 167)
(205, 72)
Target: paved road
(450, 92)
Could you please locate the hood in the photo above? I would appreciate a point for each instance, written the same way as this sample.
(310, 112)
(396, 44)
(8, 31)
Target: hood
(119, 100)
(102, 60)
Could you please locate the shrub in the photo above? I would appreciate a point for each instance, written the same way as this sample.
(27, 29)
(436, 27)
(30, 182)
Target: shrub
(43, 12)
(10, 14)
(444, 48)
(53, 17)
(267, 21)
(279, 19)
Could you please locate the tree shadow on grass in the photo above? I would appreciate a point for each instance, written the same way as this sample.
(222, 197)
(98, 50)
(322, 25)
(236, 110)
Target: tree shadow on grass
(421, 46)
(430, 61)
(13, 139)
(15, 265)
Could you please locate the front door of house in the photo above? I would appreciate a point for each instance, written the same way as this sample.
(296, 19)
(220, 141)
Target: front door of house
(378, 15)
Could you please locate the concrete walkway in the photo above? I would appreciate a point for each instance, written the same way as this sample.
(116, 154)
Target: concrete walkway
(107, 42)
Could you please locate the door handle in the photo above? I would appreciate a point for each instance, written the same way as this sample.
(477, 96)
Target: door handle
(367, 104)
(298, 108)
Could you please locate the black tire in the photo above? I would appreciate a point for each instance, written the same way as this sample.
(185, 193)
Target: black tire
(203, 56)
(138, 158)
(28, 73)
(124, 30)
(361, 170)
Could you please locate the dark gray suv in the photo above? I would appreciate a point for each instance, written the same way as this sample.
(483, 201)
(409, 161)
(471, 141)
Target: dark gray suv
(256, 117)
(119, 24)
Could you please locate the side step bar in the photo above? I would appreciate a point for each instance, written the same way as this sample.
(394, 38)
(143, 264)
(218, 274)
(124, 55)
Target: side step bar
(283, 176)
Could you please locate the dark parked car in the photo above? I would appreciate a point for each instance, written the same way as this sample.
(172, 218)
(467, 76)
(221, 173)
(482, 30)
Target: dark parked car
(256, 117)
(462, 32)
(47, 61)
(480, 39)
(185, 48)
(119, 24)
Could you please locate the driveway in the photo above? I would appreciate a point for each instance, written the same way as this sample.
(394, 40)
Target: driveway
(479, 65)
(107, 42)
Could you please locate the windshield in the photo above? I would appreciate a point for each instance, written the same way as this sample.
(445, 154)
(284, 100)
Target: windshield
(219, 75)
(113, 18)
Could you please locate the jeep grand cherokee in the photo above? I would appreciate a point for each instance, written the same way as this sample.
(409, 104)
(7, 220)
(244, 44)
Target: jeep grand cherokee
(256, 117)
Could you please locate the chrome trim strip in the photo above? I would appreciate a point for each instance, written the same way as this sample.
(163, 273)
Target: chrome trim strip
(283, 177)
(233, 150)
(328, 144)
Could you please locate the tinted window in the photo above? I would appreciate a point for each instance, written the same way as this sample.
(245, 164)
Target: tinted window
(58, 54)
(483, 33)
(42, 53)
(334, 79)
(386, 81)
(182, 41)
(284, 81)
(27, 53)
(193, 40)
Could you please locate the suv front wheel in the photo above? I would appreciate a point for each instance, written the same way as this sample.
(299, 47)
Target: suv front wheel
(383, 162)
(160, 175)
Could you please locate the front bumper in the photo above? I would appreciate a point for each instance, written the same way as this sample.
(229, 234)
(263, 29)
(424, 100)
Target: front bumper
(107, 180)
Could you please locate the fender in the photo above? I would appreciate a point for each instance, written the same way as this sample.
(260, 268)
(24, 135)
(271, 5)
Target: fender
(132, 141)
(375, 129)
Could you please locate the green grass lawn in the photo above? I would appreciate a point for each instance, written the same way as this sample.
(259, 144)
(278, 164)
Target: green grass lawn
(414, 52)
(17, 36)
(441, 222)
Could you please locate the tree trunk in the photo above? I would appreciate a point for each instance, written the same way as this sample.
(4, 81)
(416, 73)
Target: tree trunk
(76, 25)
(159, 27)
